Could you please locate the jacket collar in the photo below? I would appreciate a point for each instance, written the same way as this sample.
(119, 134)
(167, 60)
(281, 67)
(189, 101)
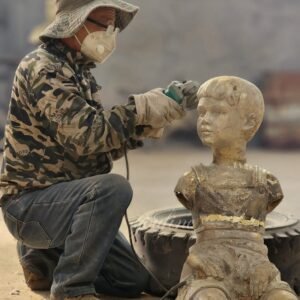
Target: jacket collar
(74, 58)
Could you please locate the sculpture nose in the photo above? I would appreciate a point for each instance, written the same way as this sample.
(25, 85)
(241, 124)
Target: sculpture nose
(205, 120)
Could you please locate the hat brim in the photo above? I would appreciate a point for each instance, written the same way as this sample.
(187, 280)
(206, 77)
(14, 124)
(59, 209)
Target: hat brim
(34, 37)
(67, 23)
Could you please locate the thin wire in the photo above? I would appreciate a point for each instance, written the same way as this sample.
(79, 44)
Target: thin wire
(175, 287)
(127, 163)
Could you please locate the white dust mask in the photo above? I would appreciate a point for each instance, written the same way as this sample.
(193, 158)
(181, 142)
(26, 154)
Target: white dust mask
(99, 45)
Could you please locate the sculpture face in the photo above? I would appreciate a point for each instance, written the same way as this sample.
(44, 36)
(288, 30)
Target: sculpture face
(219, 124)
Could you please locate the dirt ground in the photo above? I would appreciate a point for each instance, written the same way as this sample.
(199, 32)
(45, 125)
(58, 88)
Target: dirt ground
(154, 173)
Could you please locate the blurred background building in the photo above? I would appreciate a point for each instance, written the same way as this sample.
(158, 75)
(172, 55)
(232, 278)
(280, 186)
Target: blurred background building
(173, 39)
(17, 19)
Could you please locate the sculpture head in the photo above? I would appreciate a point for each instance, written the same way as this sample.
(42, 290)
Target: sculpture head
(230, 111)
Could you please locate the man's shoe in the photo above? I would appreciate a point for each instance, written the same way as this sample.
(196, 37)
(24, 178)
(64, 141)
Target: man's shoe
(35, 280)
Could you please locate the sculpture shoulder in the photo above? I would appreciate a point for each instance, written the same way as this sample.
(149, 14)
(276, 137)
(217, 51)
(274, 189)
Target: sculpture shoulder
(274, 191)
(270, 184)
(264, 177)
(186, 187)
(273, 183)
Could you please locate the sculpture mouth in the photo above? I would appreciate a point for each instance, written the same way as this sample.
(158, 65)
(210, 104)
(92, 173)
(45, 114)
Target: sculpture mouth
(205, 130)
(206, 133)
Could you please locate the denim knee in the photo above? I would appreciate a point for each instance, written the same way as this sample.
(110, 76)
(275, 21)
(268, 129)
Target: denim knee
(117, 189)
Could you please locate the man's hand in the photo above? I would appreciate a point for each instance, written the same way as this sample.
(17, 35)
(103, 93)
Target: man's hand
(184, 93)
(156, 109)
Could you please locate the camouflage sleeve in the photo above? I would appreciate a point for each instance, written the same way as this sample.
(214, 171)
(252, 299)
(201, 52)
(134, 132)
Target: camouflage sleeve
(185, 189)
(72, 122)
(130, 145)
(275, 192)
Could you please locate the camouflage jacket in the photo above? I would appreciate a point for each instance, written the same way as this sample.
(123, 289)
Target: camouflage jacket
(57, 129)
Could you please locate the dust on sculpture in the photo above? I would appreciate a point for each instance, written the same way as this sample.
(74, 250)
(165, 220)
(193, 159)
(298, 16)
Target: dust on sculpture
(229, 200)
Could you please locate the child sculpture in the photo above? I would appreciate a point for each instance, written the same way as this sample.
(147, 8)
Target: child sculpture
(229, 200)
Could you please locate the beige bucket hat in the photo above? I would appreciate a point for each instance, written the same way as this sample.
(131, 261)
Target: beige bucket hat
(71, 15)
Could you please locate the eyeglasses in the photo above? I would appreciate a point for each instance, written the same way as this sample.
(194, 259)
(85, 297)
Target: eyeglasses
(98, 23)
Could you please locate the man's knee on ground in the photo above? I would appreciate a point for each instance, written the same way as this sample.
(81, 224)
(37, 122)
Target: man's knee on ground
(139, 281)
(140, 284)
(130, 286)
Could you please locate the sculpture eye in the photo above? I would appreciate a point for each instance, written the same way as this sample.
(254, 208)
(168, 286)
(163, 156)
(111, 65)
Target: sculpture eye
(201, 112)
(219, 111)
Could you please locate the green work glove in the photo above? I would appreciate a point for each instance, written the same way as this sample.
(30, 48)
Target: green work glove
(184, 93)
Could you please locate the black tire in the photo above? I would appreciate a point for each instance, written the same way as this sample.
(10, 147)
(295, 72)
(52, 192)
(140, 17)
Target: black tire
(162, 239)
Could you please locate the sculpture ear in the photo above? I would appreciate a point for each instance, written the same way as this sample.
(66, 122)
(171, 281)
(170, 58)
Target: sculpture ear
(250, 123)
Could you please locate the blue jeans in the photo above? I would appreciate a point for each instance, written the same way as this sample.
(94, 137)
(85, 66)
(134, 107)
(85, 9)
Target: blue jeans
(80, 219)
